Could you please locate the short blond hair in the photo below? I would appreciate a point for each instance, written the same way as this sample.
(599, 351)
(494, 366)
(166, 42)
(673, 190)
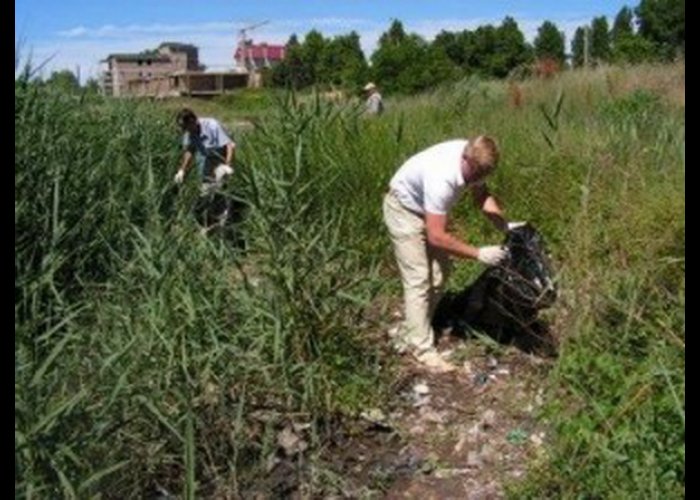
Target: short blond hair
(483, 154)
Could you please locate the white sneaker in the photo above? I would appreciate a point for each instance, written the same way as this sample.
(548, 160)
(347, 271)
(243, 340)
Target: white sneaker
(394, 331)
(399, 345)
(432, 359)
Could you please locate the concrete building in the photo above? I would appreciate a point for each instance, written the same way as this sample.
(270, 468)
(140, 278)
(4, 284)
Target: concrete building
(173, 69)
(256, 56)
(124, 69)
(188, 83)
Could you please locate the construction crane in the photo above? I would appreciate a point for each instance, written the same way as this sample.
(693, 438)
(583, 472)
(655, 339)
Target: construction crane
(242, 42)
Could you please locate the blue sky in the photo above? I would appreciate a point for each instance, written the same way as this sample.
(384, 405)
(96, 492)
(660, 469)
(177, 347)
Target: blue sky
(83, 32)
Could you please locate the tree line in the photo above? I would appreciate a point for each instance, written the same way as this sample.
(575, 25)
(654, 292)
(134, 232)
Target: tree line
(407, 63)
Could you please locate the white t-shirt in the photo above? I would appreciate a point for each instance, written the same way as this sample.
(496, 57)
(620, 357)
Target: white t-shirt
(375, 105)
(431, 181)
(208, 145)
(212, 135)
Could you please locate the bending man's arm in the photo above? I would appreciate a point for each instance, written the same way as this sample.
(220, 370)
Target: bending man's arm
(489, 206)
(439, 237)
(186, 161)
(230, 153)
(184, 165)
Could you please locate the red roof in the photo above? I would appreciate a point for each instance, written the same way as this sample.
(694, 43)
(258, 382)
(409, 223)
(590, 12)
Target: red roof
(263, 51)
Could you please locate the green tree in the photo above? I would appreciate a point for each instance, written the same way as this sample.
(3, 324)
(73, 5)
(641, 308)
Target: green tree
(460, 49)
(343, 62)
(622, 26)
(64, 81)
(481, 46)
(392, 57)
(600, 39)
(92, 86)
(578, 46)
(628, 46)
(438, 66)
(634, 49)
(312, 54)
(395, 36)
(293, 71)
(406, 63)
(663, 23)
(451, 44)
(511, 49)
(549, 42)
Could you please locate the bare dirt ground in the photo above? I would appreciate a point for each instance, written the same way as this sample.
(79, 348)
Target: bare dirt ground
(463, 434)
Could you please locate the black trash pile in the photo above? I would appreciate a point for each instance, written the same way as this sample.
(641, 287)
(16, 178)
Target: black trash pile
(504, 298)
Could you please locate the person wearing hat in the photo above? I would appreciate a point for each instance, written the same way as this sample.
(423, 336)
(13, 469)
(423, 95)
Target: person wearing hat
(421, 194)
(375, 105)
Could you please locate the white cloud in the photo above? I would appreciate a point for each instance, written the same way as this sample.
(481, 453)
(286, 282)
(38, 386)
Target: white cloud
(86, 46)
(288, 26)
(75, 32)
(110, 31)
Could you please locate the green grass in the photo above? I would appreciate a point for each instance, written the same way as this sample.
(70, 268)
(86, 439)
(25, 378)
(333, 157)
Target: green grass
(144, 352)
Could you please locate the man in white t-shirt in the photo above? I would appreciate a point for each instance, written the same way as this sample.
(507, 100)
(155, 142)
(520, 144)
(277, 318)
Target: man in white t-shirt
(206, 142)
(421, 194)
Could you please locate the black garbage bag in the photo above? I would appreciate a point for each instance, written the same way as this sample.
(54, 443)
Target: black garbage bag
(507, 297)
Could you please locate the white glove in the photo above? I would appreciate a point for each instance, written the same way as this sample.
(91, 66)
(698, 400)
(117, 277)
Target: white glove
(492, 255)
(515, 225)
(179, 176)
(222, 171)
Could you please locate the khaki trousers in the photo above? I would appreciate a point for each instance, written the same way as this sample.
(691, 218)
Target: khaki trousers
(424, 271)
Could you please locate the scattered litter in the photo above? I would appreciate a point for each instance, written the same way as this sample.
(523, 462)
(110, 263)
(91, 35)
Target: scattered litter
(421, 388)
(517, 436)
(375, 416)
(474, 434)
(271, 462)
(301, 427)
(163, 494)
(489, 418)
(487, 454)
(474, 460)
(460, 444)
(290, 442)
(538, 439)
(417, 429)
(449, 473)
(430, 415)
